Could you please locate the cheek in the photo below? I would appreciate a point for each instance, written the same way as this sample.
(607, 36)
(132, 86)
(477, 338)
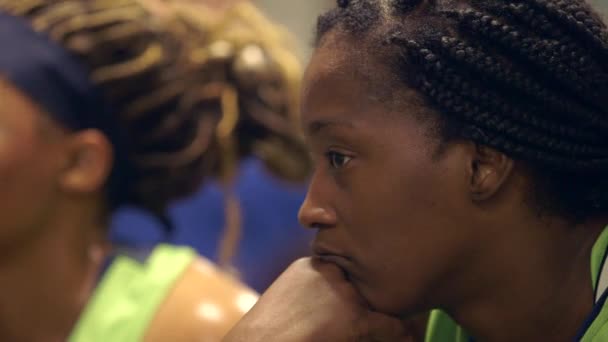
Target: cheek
(24, 182)
(392, 201)
(405, 226)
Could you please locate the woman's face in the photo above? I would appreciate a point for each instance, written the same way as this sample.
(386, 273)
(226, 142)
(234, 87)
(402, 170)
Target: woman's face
(29, 164)
(389, 209)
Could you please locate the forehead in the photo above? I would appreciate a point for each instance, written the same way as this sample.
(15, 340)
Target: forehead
(19, 112)
(340, 58)
(348, 76)
(15, 102)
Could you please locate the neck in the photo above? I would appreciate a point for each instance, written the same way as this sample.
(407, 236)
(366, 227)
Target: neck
(538, 286)
(46, 281)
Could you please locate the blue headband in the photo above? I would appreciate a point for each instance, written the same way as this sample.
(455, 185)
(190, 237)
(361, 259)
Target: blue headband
(59, 83)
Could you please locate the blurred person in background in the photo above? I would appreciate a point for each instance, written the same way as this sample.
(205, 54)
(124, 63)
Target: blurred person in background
(249, 223)
(108, 103)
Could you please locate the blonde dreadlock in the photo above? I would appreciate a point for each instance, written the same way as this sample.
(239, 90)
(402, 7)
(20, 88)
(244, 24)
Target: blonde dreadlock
(264, 76)
(259, 100)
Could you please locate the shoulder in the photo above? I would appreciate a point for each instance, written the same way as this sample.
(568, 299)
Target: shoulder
(204, 303)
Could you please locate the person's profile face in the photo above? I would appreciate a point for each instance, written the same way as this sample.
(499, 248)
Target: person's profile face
(27, 164)
(384, 203)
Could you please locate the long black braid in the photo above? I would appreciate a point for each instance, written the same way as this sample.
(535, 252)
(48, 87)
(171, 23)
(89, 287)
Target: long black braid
(526, 77)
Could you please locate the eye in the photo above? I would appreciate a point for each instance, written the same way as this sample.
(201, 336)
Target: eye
(337, 160)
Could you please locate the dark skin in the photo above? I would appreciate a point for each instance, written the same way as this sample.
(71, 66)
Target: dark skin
(415, 226)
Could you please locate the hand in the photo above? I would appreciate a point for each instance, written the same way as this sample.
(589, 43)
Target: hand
(312, 301)
(221, 4)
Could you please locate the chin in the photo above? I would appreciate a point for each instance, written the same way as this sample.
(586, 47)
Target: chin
(397, 305)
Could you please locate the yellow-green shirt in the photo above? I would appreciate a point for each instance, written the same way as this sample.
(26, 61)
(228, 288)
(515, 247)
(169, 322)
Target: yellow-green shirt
(129, 295)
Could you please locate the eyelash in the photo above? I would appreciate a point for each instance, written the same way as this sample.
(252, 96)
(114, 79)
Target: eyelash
(331, 159)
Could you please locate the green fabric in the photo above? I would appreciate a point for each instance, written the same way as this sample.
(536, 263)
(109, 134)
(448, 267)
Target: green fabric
(441, 328)
(597, 255)
(598, 331)
(129, 294)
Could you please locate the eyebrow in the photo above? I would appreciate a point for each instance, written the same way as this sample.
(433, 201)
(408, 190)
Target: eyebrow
(316, 127)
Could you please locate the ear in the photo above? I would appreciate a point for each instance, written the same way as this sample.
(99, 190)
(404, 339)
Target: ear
(89, 162)
(489, 169)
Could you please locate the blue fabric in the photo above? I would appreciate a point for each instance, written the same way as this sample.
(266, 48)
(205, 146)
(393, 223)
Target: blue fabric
(57, 82)
(270, 227)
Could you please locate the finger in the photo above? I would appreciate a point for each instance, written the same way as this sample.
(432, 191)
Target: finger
(382, 327)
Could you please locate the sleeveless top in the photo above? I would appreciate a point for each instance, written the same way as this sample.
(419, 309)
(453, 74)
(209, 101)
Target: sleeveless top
(129, 294)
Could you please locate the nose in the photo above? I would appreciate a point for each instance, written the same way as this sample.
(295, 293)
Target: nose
(315, 212)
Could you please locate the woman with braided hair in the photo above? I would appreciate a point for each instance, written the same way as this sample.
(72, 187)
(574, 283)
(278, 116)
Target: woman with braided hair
(461, 152)
(107, 103)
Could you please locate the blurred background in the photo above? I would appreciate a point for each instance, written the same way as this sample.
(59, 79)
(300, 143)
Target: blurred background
(602, 4)
(271, 236)
(299, 16)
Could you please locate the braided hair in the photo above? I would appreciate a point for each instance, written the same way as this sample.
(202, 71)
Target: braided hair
(161, 78)
(526, 77)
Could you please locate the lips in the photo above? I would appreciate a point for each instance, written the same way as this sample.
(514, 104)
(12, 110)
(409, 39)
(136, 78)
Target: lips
(325, 254)
(350, 268)
(320, 250)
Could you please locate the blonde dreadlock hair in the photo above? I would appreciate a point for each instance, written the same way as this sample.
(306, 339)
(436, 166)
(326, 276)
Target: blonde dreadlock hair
(259, 104)
(261, 87)
(192, 97)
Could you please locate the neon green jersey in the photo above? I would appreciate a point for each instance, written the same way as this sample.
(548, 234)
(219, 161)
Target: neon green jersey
(442, 328)
(129, 295)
